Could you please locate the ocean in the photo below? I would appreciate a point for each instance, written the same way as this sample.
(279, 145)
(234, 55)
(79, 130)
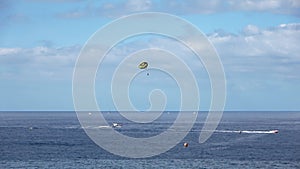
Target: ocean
(56, 140)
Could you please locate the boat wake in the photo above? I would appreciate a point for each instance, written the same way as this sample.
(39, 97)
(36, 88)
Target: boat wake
(248, 131)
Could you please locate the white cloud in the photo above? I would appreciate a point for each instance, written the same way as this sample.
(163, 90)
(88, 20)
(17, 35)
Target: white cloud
(9, 51)
(251, 30)
(273, 51)
(138, 5)
(37, 62)
(72, 14)
(255, 4)
(108, 9)
(274, 6)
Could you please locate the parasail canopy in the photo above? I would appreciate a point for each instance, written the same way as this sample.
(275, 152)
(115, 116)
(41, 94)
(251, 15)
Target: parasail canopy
(143, 65)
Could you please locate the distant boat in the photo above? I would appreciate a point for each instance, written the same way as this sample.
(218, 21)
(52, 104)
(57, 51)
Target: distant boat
(274, 131)
(116, 125)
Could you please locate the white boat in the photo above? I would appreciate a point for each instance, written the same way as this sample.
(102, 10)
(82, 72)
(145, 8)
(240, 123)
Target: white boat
(115, 125)
(274, 131)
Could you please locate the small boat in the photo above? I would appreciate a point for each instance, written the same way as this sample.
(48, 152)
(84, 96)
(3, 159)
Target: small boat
(115, 125)
(274, 131)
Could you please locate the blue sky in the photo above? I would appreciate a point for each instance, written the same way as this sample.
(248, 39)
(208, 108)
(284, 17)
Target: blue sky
(257, 41)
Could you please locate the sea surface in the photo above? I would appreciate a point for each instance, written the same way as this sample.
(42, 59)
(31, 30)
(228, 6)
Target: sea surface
(57, 140)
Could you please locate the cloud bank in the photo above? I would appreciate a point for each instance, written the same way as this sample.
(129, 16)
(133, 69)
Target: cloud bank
(38, 62)
(262, 63)
(273, 52)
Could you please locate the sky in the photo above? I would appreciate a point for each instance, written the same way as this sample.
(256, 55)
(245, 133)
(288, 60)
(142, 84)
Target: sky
(257, 42)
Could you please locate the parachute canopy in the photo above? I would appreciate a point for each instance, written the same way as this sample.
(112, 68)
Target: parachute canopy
(143, 65)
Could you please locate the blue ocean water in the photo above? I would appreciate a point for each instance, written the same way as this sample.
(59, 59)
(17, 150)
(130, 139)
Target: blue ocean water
(56, 140)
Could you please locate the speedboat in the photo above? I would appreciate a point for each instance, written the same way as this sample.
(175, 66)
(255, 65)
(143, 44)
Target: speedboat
(274, 131)
(115, 125)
